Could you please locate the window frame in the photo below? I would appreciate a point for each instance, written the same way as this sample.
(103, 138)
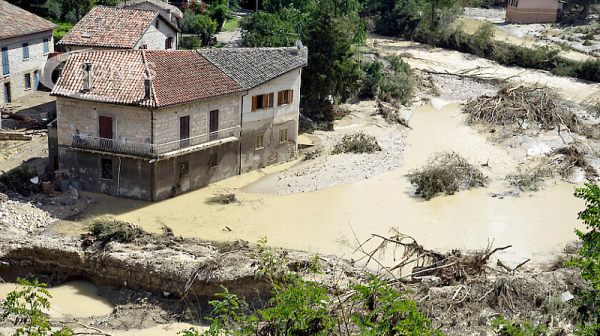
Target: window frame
(27, 78)
(25, 51)
(285, 97)
(5, 62)
(259, 144)
(46, 46)
(112, 169)
(283, 131)
(266, 99)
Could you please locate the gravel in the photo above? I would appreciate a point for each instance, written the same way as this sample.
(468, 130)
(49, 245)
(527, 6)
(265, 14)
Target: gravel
(23, 216)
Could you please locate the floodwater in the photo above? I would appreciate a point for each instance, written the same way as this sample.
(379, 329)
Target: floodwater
(74, 298)
(331, 221)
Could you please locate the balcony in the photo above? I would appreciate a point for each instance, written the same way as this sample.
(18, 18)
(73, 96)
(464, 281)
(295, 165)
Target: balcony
(148, 150)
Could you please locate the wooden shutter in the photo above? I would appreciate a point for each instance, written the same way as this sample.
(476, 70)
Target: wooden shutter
(254, 103)
(214, 121)
(105, 127)
(291, 96)
(184, 127)
(280, 98)
(265, 101)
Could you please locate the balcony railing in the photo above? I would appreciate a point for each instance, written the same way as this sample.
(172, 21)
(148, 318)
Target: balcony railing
(89, 142)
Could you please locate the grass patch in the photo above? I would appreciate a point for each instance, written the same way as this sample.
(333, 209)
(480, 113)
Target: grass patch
(446, 173)
(18, 180)
(109, 229)
(222, 199)
(231, 25)
(357, 143)
(65, 27)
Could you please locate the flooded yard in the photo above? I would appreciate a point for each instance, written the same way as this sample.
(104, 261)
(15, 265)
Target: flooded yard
(328, 221)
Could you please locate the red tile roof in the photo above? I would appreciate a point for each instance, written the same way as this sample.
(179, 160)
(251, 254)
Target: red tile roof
(15, 22)
(179, 77)
(111, 27)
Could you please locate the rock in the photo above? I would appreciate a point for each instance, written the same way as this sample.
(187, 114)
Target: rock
(3, 198)
(74, 191)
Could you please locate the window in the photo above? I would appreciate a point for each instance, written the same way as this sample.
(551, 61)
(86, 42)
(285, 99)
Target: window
(184, 169)
(213, 160)
(28, 81)
(25, 51)
(283, 136)
(214, 121)
(105, 129)
(5, 66)
(262, 102)
(7, 92)
(46, 46)
(184, 131)
(144, 46)
(106, 169)
(285, 97)
(169, 43)
(259, 141)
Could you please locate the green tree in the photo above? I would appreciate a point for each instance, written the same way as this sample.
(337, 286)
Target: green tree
(267, 30)
(26, 306)
(219, 12)
(331, 69)
(54, 9)
(589, 261)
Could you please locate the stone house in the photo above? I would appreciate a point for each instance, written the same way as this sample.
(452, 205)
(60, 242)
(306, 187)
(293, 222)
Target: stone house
(110, 28)
(25, 42)
(151, 124)
(532, 11)
(170, 12)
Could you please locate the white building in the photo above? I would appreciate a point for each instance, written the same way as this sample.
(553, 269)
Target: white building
(25, 42)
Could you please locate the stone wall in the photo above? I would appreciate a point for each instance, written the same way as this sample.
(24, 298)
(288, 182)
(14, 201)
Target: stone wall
(19, 67)
(155, 39)
(129, 123)
(166, 121)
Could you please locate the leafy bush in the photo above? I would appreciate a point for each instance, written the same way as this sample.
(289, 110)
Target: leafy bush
(357, 143)
(446, 173)
(26, 305)
(106, 230)
(589, 261)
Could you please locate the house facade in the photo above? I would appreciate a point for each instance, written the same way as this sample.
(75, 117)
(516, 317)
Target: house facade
(171, 122)
(167, 10)
(25, 42)
(532, 11)
(110, 28)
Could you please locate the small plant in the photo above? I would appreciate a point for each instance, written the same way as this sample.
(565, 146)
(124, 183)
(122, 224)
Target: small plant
(446, 173)
(26, 306)
(506, 327)
(222, 199)
(107, 229)
(18, 180)
(357, 143)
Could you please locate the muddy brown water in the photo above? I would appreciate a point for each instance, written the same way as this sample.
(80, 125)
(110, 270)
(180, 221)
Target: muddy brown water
(74, 299)
(331, 221)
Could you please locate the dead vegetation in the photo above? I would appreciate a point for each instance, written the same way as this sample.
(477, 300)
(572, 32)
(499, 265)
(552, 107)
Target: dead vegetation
(527, 106)
(357, 143)
(222, 199)
(572, 157)
(447, 173)
(390, 115)
(19, 180)
(530, 178)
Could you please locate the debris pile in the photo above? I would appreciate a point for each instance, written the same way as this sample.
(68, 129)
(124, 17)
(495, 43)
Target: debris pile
(446, 172)
(571, 158)
(357, 143)
(23, 216)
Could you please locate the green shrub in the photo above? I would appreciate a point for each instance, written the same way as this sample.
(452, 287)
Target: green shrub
(19, 180)
(107, 230)
(505, 327)
(357, 143)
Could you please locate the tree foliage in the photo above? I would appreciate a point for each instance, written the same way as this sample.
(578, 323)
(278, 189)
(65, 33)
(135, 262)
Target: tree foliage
(589, 261)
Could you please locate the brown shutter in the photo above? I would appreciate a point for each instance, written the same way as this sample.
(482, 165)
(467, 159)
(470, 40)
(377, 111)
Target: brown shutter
(254, 103)
(279, 98)
(291, 96)
(105, 127)
(265, 101)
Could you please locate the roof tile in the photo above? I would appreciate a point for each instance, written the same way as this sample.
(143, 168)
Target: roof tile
(15, 21)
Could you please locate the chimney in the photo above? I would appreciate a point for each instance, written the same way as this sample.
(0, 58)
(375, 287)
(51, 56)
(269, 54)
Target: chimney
(148, 88)
(169, 14)
(87, 76)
